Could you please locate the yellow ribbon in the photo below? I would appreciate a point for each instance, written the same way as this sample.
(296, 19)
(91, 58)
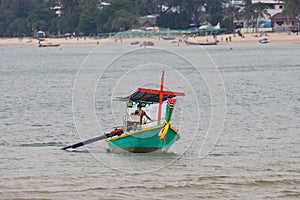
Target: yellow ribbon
(165, 130)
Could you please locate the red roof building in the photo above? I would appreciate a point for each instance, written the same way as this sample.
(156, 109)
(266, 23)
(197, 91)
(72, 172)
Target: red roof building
(281, 21)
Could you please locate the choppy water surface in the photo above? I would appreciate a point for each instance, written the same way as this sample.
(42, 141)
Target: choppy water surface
(239, 122)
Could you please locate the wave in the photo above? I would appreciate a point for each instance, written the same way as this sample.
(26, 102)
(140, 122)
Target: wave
(40, 125)
(262, 183)
(290, 193)
(43, 144)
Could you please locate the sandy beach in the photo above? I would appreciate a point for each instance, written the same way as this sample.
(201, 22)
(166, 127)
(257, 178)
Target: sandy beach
(248, 38)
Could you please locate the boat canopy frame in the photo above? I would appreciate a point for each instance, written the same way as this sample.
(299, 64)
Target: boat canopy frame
(142, 96)
(149, 95)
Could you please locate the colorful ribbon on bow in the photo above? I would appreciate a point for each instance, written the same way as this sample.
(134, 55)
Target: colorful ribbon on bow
(162, 133)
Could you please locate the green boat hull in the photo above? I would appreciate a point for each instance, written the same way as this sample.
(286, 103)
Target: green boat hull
(143, 141)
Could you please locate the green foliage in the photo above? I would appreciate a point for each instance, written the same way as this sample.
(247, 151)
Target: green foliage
(102, 23)
(214, 6)
(292, 8)
(39, 19)
(18, 27)
(173, 20)
(87, 22)
(21, 8)
(145, 7)
(230, 14)
(19, 17)
(216, 18)
(123, 20)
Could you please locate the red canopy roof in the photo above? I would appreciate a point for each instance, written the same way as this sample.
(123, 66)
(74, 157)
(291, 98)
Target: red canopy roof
(281, 17)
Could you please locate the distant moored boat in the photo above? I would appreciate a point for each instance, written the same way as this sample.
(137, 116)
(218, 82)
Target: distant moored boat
(148, 43)
(188, 42)
(49, 45)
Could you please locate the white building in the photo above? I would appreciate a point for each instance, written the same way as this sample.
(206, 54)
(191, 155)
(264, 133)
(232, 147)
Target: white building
(273, 7)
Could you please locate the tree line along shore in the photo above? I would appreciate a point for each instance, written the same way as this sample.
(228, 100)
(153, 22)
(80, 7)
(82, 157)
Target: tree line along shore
(91, 17)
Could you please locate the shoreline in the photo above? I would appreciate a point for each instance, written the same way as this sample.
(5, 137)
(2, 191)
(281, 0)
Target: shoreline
(278, 38)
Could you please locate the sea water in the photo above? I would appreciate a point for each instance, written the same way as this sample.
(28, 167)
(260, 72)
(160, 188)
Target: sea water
(239, 122)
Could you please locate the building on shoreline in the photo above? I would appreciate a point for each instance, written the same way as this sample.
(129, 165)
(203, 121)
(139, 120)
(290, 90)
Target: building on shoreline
(275, 21)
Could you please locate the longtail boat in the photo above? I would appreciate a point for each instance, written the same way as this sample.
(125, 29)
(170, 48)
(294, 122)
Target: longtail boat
(49, 45)
(141, 137)
(138, 135)
(189, 42)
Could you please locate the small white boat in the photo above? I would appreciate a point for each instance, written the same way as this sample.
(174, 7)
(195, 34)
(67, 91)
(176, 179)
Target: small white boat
(264, 41)
(168, 37)
(134, 42)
